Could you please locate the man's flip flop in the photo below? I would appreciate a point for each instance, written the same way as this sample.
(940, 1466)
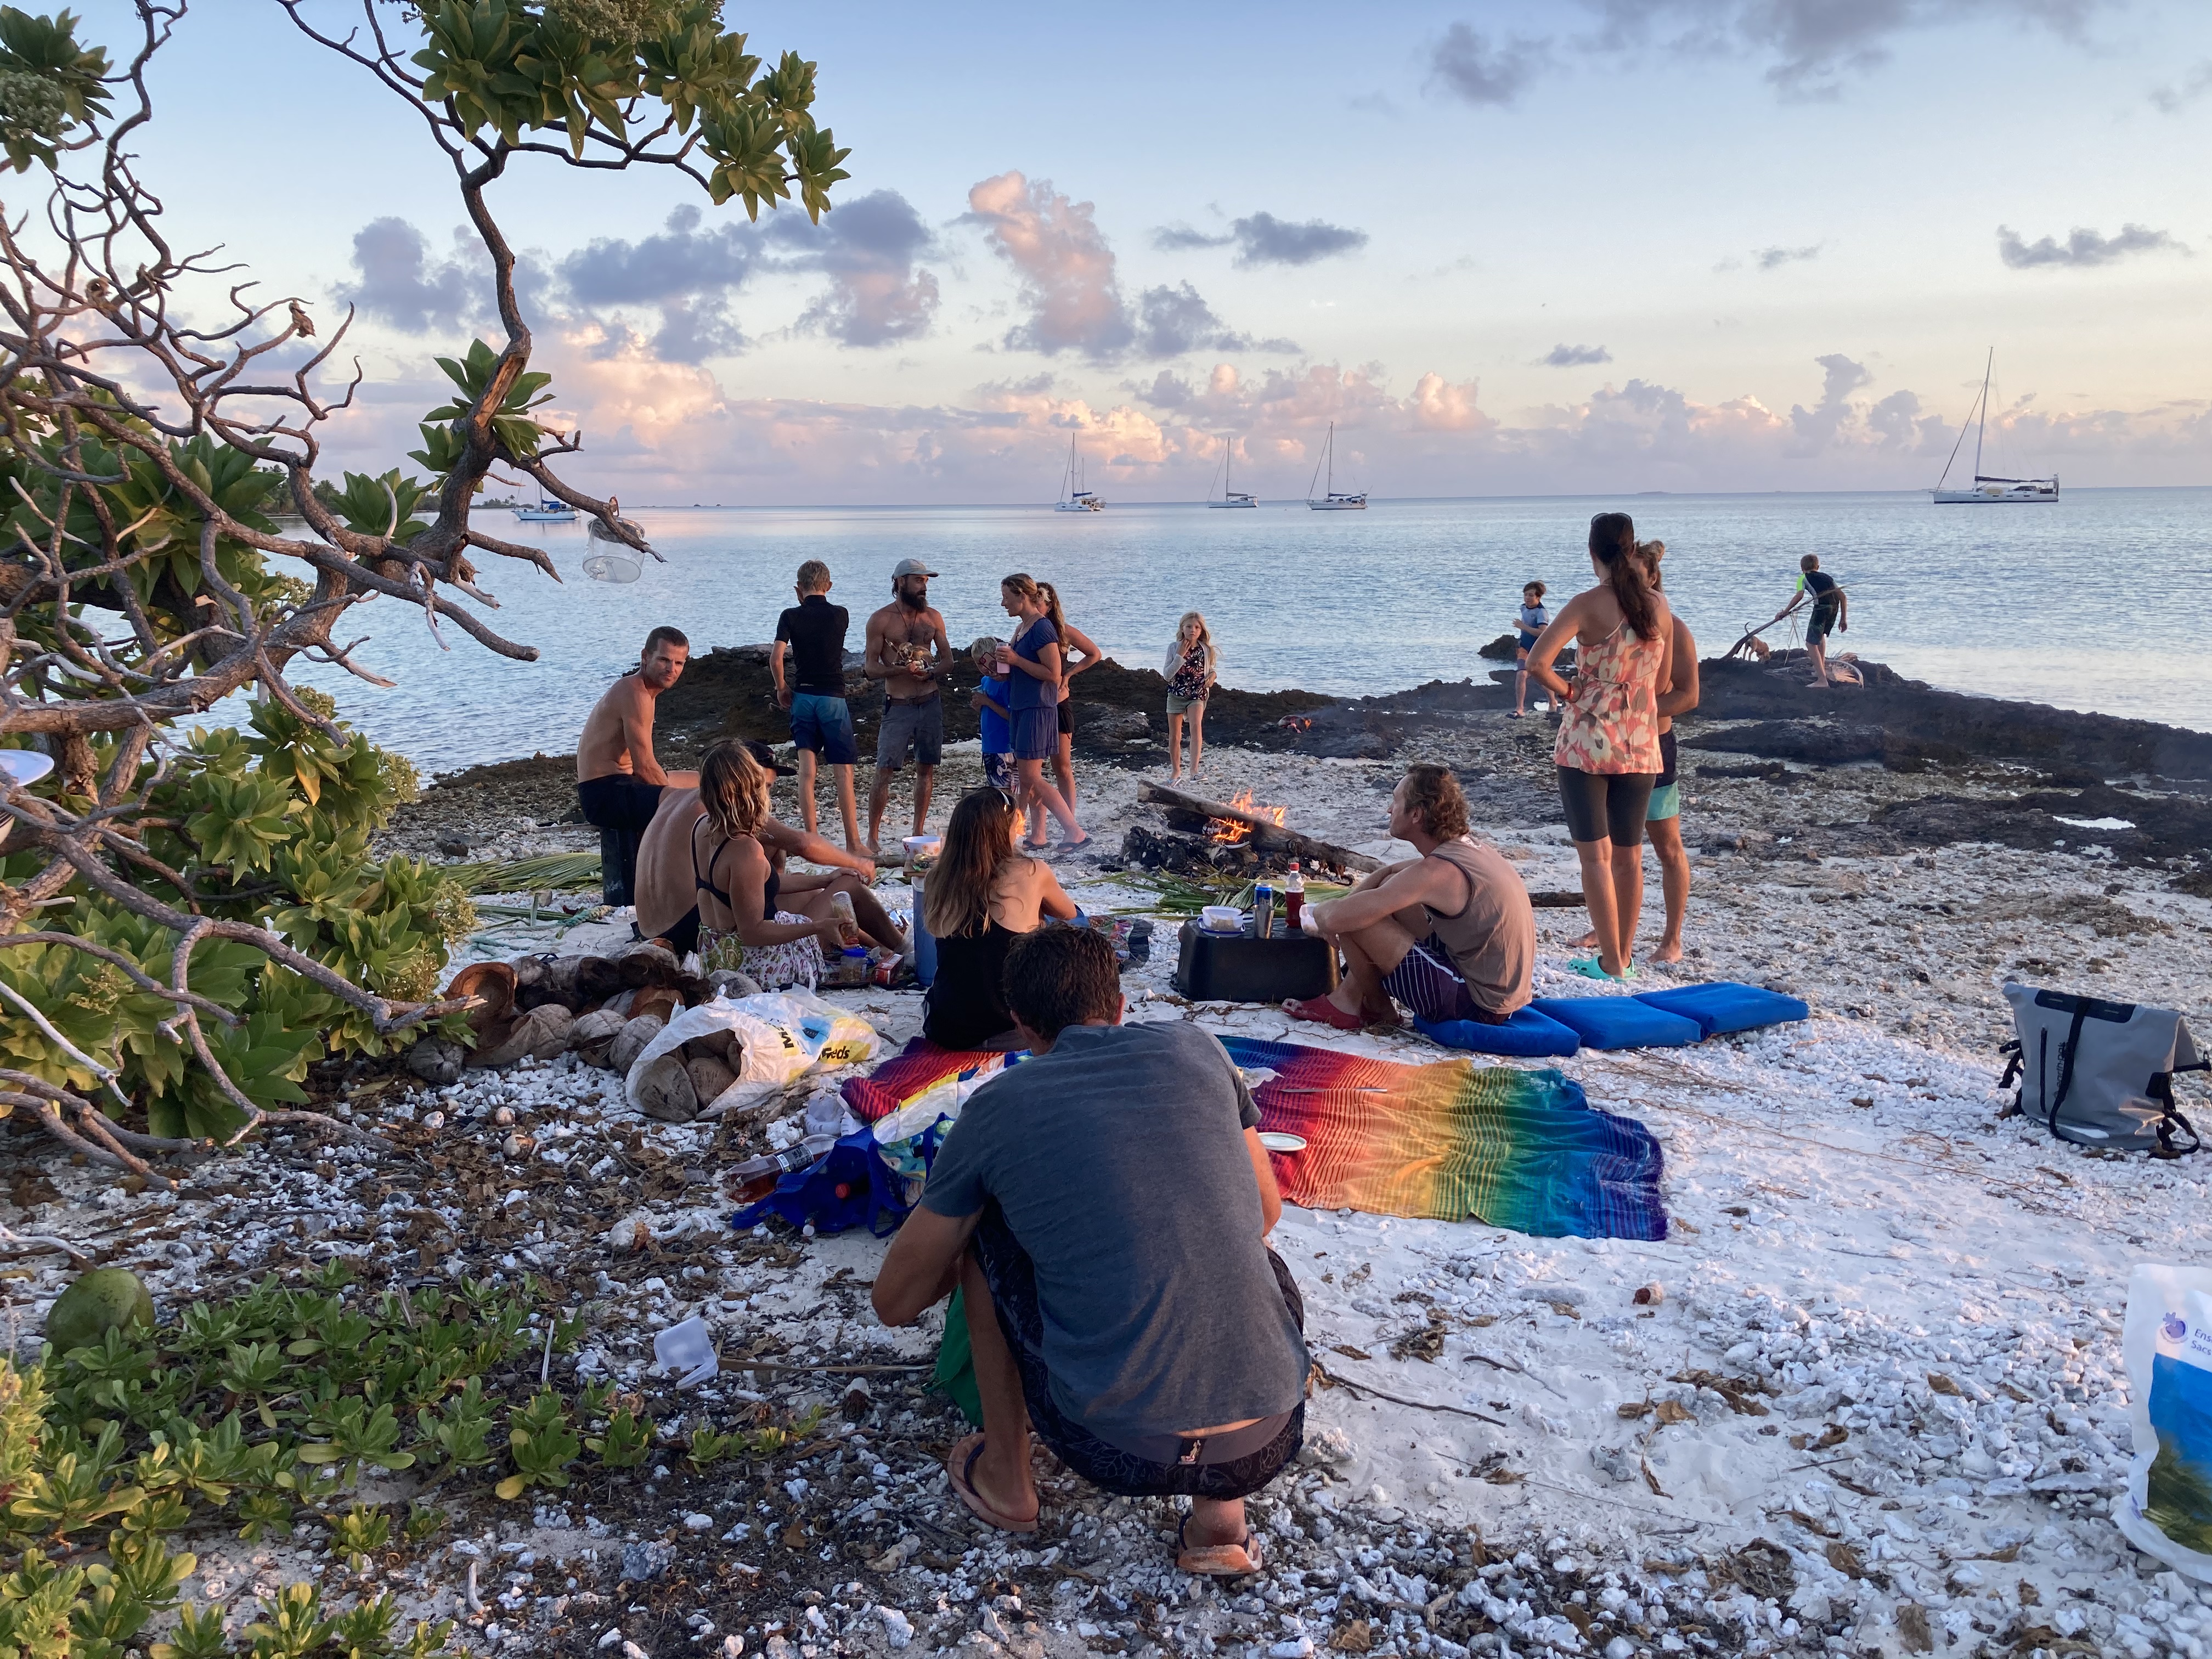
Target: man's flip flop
(1218, 1560)
(960, 1469)
(1323, 1012)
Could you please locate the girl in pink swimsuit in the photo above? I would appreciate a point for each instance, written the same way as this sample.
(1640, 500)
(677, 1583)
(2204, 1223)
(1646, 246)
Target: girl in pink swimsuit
(1608, 750)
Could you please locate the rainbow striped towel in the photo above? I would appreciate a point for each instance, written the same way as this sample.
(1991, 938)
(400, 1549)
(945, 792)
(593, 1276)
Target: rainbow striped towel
(1524, 1150)
(1519, 1150)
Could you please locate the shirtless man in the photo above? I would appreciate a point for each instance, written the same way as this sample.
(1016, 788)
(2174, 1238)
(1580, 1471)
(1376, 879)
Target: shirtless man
(907, 650)
(618, 782)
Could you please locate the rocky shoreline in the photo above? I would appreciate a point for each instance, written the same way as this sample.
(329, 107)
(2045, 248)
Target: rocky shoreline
(1876, 1406)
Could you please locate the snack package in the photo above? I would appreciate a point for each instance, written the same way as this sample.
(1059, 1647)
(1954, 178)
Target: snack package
(2166, 1511)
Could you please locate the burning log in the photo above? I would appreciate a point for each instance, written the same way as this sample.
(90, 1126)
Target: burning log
(1241, 822)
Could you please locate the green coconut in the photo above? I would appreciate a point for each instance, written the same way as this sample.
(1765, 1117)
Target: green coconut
(105, 1299)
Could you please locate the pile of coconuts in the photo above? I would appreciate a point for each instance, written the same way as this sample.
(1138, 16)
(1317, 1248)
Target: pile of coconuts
(607, 1009)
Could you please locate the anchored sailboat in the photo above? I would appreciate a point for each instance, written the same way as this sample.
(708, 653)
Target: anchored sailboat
(1333, 500)
(1074, 497)
(1231, 497)
(1986, 489)
(547, 512)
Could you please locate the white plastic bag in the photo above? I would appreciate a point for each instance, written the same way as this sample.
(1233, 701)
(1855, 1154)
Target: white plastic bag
(2166, 1511)
(785, 1034)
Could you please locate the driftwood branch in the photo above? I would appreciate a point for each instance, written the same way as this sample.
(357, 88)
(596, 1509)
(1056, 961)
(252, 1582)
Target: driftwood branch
(1267, 835)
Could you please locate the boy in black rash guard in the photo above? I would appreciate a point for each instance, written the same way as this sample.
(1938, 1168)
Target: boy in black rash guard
(813, 632)
(1831, 612)
(1103, 1207)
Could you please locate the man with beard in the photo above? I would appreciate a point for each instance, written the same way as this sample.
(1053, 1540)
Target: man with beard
(907, 650)
(618, 782)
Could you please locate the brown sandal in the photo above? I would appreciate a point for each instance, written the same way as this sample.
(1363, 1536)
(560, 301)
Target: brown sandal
(960, 1470)
(1218, 1560)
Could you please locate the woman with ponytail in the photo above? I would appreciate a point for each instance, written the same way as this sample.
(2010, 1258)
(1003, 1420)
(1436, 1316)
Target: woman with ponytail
(1607, 752)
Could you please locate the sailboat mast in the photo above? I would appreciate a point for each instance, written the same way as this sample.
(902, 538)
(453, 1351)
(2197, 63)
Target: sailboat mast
(1984, 428)
(1332, 460)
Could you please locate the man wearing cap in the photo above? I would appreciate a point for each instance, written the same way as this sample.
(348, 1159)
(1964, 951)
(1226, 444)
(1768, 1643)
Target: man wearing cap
(907, 650)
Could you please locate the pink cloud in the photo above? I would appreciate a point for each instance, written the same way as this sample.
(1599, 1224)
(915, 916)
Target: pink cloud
(1067, 268)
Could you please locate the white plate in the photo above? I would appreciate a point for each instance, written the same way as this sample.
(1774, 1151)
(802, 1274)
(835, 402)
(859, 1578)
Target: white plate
(1276, 1141)
(25, 766)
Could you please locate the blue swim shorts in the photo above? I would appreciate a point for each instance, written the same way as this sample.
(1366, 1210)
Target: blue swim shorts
(823, 724)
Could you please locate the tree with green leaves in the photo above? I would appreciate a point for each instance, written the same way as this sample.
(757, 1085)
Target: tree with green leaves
(190, 918)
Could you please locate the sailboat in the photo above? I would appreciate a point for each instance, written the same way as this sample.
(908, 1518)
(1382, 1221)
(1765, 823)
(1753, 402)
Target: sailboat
(1986, 489)
(547, 512)
(1074, 497)
(1333, 500)
(1231, 497)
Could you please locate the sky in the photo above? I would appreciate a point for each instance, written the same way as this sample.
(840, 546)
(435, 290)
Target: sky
(1586, 246)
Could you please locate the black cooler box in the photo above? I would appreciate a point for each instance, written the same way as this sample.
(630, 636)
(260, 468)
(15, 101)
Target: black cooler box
(1243, 968)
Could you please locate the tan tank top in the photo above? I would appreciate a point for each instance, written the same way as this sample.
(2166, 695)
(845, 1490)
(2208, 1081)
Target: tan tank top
(1493, 939)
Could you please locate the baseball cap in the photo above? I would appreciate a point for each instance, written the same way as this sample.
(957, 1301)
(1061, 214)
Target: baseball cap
(911, 568)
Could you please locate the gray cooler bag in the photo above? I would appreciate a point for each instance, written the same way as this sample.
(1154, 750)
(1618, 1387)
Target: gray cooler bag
(2101, 1073)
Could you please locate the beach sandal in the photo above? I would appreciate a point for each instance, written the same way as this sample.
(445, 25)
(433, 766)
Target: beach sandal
(960, 1469)
(1591, 967)
(1218, 1560)
(1323, 1012)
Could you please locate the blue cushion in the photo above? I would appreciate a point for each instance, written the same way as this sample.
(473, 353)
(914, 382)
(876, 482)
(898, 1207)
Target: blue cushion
(1727, 1007)
(1526, 1033)
(1620, 1022)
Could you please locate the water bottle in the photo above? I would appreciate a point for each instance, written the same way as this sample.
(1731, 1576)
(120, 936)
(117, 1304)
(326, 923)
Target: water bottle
(755, 1178)
(1294, 899)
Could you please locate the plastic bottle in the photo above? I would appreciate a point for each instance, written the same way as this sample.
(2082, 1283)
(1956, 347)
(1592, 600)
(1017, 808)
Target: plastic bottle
(1294, 898)
(848, 925)
(756, 1177)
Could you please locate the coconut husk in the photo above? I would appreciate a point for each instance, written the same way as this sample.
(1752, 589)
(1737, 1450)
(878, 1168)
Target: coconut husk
(715, 1045)
(649, 963)
(728, 983)
(530, 971)
(557, 983)
(630, 1043)
(493, 985)
(660, 1002)
(541, 1033)
(594, 1034)
(664, 1091)
(708, 1078)
(435, 1059)
(619, 1003)
(597, 978)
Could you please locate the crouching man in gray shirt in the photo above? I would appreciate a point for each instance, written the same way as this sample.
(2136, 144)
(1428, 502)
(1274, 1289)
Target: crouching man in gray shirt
(1103, 1206)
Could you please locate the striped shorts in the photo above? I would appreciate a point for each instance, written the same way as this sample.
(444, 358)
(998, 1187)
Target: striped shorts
(1426, 982)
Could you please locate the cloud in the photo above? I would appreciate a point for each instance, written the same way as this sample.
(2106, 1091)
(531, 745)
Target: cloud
(869, 247)
(1897, 422)
(2083, 246)
(1261, 239)
(1066, 269)
(1463, 63)
(1810, 47)
(1171, 321)
(1773, 259)
(2177, 96)
(1264, 240)
(1819, 427)
(402, 285)
(682, 263)
(1573, 356)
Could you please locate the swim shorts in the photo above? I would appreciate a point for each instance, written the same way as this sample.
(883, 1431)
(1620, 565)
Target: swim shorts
(1036, 734)
(1183, 705)
(1425, 981)
(1219, 1467)
(618, 801)
(1822, 622)
(911, 727)
(1063, 717)
(1665, 803)
(824, 725)
(1606, 806)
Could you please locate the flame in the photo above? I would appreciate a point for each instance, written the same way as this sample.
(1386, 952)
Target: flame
(1297, 723)
(1233, 832)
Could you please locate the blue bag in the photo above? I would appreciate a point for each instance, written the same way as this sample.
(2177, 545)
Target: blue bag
(871, 1193)
(1527, 1034)
(1725, 1007)
(1620, 1023)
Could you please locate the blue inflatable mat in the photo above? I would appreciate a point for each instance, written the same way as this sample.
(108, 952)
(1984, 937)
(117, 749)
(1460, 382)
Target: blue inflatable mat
(1726, 1006)
(1525, 1034)
(1620, 1022)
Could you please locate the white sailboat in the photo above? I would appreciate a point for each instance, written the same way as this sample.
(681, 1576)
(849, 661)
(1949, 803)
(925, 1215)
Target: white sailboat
(1231, 497)
(1074, 497)
(1986, 489)
(1333, 500)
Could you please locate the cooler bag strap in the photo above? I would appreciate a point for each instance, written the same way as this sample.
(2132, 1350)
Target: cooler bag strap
(2067, 1050)
(2161, 1089)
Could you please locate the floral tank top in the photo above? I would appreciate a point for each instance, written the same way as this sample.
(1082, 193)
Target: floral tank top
(1611, 722)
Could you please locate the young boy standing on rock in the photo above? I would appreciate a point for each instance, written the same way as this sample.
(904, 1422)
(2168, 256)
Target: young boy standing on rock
(813, 632)
(1831, 612)
(1104, 1208)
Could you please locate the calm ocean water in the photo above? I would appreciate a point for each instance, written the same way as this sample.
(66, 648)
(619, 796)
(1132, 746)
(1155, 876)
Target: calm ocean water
(2097, 601)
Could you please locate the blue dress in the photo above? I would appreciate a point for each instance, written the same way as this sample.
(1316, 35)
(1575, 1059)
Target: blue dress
(1034, 702)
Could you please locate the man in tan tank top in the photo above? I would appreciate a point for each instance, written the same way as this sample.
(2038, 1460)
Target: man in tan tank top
(1451, 933)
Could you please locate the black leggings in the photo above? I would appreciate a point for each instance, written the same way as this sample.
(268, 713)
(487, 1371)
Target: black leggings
(1606, 806)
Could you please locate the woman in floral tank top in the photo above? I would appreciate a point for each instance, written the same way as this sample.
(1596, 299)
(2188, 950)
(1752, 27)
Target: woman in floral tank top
(1608, 750)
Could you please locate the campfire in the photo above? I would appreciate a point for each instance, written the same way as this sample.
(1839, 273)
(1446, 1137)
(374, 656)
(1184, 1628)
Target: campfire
(1237, 837)
(1235, 832)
